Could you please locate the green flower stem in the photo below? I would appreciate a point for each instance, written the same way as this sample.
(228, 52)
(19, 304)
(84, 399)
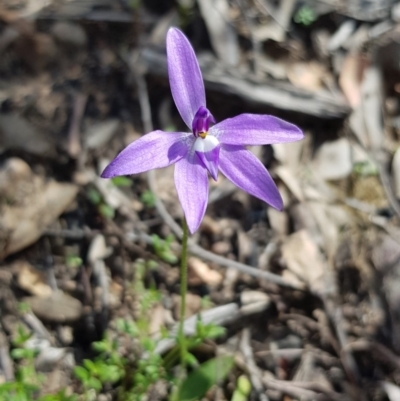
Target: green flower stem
(181, 334)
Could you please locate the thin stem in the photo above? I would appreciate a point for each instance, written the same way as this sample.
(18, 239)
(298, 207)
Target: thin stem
(181, 334)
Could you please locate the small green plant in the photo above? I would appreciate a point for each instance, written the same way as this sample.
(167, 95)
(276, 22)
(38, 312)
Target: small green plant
(133, 374)
(121, 181)
(73, 261)
(128, 372)
(107, 369)
(305, 16)
(162, 248)
(96, 199)
(203, 332)
(60, 396)
(365, 168)
(148, 199)
(27, 381)
(198, 382)
(243, 389)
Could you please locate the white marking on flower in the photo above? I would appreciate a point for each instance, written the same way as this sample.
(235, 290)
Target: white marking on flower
(205, 145)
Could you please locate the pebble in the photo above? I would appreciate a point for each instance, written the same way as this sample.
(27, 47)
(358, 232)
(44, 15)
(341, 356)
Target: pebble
(58, 308)
(69, 33)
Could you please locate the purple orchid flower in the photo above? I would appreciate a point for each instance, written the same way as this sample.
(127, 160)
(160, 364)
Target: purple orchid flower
(207, 148)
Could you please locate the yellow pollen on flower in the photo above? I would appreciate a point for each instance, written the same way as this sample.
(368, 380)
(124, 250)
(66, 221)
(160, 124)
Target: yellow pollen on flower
(202, 134)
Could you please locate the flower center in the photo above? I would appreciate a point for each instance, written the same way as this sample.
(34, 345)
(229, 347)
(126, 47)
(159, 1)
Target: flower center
(201, 122)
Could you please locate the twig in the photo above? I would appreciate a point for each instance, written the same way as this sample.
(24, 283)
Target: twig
(252, 368)
(74, 234)
(37, 326)
(387, 187)
(307, 390)
(282, 21)
(5, 360)
(49, 263)
(347, 358)
(74, 140)
(289, 388)
(255, 43)
(378, 349)
(99, 272)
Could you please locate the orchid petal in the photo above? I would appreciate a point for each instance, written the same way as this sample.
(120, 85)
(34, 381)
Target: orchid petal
(207, 149)
(255, 129)
(185, 78)
(242, 168)
(191, 181)
(154, 150)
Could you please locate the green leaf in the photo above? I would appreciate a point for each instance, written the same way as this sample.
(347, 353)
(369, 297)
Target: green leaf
(243, 389)
(121, 181)
(168, 256)
(90, 366)
(94, 384)
(214, 331)
(202, 379)
(60, 396)
(191, 360)
(81, 373)
(101, 346)
(148, 199)
(111, 373)
(23, 334)
(106, 211)
(305, 15)
(94, 196)
(127, 326)
(74, 261)
(22, 353)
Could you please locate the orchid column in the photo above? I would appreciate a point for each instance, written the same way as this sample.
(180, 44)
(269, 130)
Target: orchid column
(209, 147)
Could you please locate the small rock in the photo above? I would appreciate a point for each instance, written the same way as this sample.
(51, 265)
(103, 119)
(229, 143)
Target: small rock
(290, 341)
(396, 12)
(51, 357)
(32, 280)
(221, 247)
(98, 249)
(99, 134)
(56, 381)
(66, 334)
(69, 33)
(17, 133)
(200, 273)
(307, 75)
(210, 226)
(250, 296)
(37, 344)
(333, 160)
(58, 308)
(254, 302)
(385, 253)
